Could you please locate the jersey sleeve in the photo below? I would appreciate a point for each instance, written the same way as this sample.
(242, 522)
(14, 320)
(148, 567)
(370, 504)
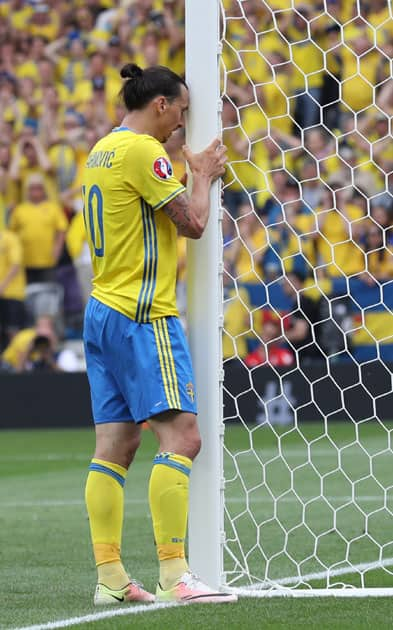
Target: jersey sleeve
(147, 168)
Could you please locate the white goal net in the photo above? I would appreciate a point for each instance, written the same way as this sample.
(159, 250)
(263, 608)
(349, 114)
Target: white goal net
(308, 294)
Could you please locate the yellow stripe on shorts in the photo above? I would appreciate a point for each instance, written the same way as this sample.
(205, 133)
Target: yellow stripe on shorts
(172, 367)
(163, 364)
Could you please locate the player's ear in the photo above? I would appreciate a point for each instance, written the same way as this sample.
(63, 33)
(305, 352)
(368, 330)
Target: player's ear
(161, 104)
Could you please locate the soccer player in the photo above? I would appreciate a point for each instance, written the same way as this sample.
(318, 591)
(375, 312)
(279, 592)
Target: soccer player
(138, 362)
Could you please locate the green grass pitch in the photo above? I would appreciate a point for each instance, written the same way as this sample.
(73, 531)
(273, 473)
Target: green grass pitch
(47, 573)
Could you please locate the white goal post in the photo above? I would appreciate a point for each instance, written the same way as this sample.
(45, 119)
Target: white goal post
(204, 261)
(301, 503)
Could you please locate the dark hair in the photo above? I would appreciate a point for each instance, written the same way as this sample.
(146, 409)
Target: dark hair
(142, 86)
(292, 183)
(41, 342)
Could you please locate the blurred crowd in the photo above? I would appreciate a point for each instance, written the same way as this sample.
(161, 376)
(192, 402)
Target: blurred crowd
(307, 104)
(308, 99)
(59, 85)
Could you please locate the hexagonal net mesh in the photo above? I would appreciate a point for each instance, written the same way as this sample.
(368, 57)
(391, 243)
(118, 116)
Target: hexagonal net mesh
(308, 293)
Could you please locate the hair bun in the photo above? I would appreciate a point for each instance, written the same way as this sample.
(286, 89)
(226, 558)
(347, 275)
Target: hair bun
(131, 71)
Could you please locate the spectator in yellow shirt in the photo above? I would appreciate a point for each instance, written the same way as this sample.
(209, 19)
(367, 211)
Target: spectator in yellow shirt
(44, 21)
(41, 225)
(12, 287)
(320, 143)
(47, 80)
(308, 66)
(115, 57)
(7, 57)
(69, 55)
(340, 225)
(8, 189)
(16, 353)
(359, 70)
(249, 248)
(103, 84)
(30, 158)
(379, 257)
(51, 123)
(19, 14)
(31, 54)
(236, 141)
(237, 325)
(24, 113)
(8, 97)
(274, 95)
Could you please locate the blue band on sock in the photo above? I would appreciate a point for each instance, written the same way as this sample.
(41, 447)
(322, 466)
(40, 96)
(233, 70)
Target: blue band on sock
(108, 471)
(165, 461)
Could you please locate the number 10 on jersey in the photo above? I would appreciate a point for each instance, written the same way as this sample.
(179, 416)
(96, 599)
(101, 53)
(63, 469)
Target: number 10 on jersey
(93, 205)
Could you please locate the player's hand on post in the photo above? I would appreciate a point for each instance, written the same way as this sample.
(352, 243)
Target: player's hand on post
(210, 162)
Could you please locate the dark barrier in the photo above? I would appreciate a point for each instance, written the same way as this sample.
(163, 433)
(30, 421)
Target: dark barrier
(346, 391)
(37, 400)
(340, 391)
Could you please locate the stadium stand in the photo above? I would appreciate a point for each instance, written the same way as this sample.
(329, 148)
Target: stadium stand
(59, 81)
(308, 191)
(289, 147)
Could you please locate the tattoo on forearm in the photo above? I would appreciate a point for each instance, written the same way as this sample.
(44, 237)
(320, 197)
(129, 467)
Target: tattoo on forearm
(178, 211)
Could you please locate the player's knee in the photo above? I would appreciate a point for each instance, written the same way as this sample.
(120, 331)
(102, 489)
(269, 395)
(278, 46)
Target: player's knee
(126, 453)
(131, 448)
(190, 437)
(192, 443)
(195, 446)
(119, 449)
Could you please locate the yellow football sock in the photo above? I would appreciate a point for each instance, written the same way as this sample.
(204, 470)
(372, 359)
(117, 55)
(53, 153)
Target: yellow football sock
(171, 571)
(168, 498)
(113, 575)
(105, 506)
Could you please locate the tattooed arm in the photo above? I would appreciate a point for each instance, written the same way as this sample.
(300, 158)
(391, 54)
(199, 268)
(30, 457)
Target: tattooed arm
(190, 213)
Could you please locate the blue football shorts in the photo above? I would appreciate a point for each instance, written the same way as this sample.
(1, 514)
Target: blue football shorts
(136, 371)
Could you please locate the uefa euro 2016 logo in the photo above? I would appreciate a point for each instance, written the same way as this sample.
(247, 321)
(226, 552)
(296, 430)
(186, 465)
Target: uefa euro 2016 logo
(162, 168)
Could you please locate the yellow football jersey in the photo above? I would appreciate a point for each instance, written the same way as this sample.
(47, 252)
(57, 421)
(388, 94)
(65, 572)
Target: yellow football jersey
(128, 179)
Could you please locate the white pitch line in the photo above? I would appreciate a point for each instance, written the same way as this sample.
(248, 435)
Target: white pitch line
(46, 457)
(331, 499)
(107, 614)
(253, 591)
(59, 503)
(297, 593)
(285, 452)
(321, 575)
(231, 500)
(345, 451)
